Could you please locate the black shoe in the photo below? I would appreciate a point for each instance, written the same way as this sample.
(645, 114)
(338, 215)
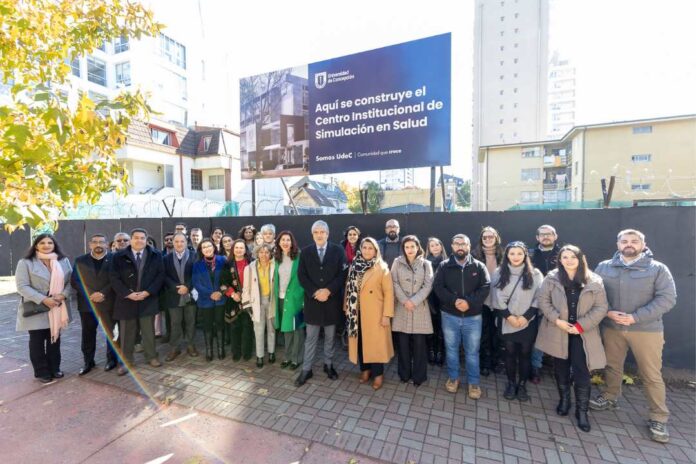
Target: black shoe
(431, 357)
(208, 346)
(564, 402)
(510, 391)
(294, 366)
(284, 365)
(522, 391)
(236, 357)
(582, 403)
(86, 368)
(485, 371)
(271, 358)
(303, 378)
(535, 376)
(46, 380)
(439, 358)
(330, 372)
(259, 362)
(110, 365)
(58, 374)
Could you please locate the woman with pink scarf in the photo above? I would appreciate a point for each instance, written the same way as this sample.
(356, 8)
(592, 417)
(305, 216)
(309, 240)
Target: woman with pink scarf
(43, 278)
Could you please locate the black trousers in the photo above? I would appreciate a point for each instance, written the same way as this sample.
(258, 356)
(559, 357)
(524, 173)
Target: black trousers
(44, 355)
(412, 357)
(89, 335)
(214, 322)
(489, 354)
(436, 340)
(518, 359)
(376, 369)
(576, 361)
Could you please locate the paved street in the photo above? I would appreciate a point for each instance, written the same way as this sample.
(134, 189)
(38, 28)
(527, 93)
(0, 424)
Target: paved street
(323, 421)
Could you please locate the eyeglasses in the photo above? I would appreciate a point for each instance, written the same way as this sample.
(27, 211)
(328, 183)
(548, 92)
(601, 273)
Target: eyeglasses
(460, 244)
(122, 240)
(545, 234)
(488, 237)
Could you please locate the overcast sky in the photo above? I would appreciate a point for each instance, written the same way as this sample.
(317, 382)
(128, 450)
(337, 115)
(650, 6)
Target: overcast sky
(634, 58)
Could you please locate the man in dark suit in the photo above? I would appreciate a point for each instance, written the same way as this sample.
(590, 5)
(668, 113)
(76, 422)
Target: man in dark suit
(95, 300)
(322, 274)
(178, 264)
(137, 274)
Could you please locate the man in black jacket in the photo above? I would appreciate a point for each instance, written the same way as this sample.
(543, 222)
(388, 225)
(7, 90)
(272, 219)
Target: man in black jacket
(137, 274)
(95, 301)
(390, 246)
(462, 284)
(178, 265)
(322, 274)
(544, 257)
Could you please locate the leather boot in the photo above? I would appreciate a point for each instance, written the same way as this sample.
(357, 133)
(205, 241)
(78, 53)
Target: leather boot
(582, 403)
(522, 394)
(564, 401)
(208, 337)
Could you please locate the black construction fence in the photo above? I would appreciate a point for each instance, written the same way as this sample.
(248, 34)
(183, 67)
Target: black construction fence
(670, 231)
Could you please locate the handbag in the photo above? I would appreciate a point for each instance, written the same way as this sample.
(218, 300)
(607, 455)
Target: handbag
(29, 308)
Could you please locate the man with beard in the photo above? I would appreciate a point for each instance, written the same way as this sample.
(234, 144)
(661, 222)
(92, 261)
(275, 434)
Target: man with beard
(168, 243)
(122, 240)
(544, 257)
(462, 285)
(640, 290)
(95, 301)
(390, 246)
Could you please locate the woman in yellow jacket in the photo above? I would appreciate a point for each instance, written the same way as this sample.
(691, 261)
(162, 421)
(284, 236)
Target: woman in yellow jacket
(369, 307)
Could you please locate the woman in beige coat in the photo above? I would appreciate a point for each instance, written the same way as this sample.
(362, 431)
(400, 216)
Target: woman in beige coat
(369, 306)
(413, 279)
(574, 302)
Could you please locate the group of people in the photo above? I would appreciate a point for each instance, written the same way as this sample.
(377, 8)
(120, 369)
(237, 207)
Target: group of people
(505, 306)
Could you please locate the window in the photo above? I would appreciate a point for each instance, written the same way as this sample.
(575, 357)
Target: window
(501, 121)
(644, 158)
(502, 106)
(502, 47)
(530, 197)
(502, 77)
(531, 174)
(173, 51)
(123, 73)
(514, 119)
(206, 142)
(514, 105)
(75, 66)
(514, 90)
(517, 15)
(517, 30)
(102, 47)
(534, 152)
(502, 33)
(502, 18)
(502, 92)
(196, 179)
(514, 75)
(515, 60)
(642, 130)
(168, 175)
(216, 182)
(121, 45)
(502, 62)
(640, 187)
(517, 45)
(96, 70)
(162, 136)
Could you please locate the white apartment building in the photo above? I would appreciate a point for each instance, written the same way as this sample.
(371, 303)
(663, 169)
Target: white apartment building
(395, 179)
(510, 77)
(562, 106)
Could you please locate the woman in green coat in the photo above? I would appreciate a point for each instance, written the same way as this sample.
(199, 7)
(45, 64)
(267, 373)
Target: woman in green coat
(288, 300)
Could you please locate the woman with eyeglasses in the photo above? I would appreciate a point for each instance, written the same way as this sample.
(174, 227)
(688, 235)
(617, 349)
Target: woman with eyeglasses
(574, 303)
(436, 254)
(514, 288)
(490, 252)
(207, 274)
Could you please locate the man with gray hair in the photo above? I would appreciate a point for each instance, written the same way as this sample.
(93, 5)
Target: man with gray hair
(122, 240)
(640, 290)
(322, 274)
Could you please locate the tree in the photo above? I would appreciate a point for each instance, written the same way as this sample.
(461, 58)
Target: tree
(56, 152)
(353, 195)
(375, 195)
(464, 194)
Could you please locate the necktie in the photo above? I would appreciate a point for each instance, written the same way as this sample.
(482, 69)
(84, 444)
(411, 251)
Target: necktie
(138, 260)
(321, 255)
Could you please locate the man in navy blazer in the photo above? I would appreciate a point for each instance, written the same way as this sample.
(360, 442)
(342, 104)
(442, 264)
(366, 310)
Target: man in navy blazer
(137, 274)
(322, 273)
(95, 300)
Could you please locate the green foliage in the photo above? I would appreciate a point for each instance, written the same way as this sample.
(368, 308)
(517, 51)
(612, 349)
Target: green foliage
(54, 155)
(375, 196)
(464, 194)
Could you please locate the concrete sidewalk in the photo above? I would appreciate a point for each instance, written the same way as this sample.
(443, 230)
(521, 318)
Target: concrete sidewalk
(76, 420)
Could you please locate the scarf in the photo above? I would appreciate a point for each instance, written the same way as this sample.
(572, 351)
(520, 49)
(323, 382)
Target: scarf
(357, 270)
(58, 315)
(210, 263)
(491, 259)
(180, 267)
(350, 252)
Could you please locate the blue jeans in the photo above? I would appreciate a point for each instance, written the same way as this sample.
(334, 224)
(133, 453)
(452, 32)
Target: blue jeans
(460, 331)
(537, 355)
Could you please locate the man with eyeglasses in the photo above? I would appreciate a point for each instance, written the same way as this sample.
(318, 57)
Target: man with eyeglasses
(122, 240)
(462, 284)
(544, 257)
(390, 246)
(95, 301)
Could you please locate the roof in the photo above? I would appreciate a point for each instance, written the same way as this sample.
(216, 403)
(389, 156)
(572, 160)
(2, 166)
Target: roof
(331, 191)
(575, 129)
(187, 142)
(408, 208)
(316, 196)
